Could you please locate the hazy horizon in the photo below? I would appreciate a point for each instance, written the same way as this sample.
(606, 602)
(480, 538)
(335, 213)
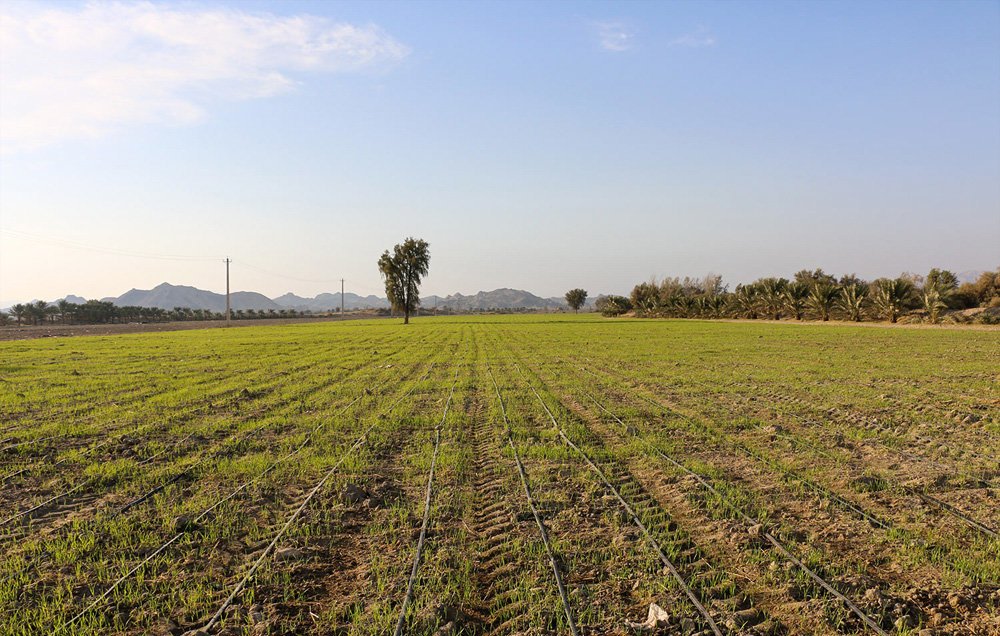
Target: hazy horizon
(534, 146)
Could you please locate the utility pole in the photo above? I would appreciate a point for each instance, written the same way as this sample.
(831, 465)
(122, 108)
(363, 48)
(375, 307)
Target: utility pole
(341, 297)
(227, 292)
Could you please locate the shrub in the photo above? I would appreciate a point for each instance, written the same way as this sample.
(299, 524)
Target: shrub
(612, 305)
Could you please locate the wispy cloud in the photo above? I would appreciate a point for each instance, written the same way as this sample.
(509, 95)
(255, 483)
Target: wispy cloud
(697, 38)
(82, 72)
(614, 36)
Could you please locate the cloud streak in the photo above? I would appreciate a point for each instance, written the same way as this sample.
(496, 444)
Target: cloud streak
(614, 36)
(701, 37)
(86, 72)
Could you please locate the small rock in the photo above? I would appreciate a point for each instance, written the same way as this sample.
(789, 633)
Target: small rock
(873, 596)
(354, 494)
(755, 530)
(287, 554)
(904, 622)
(184, 523)
(447, 629)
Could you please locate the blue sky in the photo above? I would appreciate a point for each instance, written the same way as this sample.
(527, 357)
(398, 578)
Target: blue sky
(539, 146)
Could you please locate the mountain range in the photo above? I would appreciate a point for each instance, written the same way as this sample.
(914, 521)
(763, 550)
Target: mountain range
(167, 296)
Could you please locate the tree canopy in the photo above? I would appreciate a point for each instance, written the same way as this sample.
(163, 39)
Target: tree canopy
(575, 298)
(403, 270)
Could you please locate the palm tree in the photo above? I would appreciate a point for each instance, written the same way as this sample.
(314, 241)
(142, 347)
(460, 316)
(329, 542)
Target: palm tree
(746, 300)
(20, 312)
(852, 300)
(686, 306)
(822, 299)
(645, 298)
(38, 311)
(702, 307)
(772, 295)
(795, 299)
(933, 302)
(891, 296)
(65, 307)
(716, 304)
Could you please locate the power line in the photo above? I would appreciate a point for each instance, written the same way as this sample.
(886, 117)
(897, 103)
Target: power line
(80, 245)
(295, 278)
(59, 242)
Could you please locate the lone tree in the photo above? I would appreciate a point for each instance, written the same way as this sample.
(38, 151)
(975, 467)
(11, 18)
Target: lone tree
(402, 271)
(575, 298)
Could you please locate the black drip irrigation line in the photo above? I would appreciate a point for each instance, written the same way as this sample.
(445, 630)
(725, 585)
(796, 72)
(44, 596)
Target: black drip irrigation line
(427, 515)
(361, 439)
(169, 448)
(556, 571)
(165, 450)
(42, 557)
(783, 397)
(750, 521)
(62, 461)
(192, 406)
(207, 511)
(635, 518)
(875, 521)
(45, 503)
(885, 525)
(135, 502)
(821, 490)
(188, 470)
(953, 510)
(26, 443)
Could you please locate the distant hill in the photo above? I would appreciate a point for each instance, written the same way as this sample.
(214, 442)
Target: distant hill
(969, 276)
(496, 299)
(327, 302)
(167, 296)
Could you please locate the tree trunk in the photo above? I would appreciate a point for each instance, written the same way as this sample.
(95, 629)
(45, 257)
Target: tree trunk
(406, 316)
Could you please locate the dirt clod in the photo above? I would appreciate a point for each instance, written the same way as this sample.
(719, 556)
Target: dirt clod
(354, 494)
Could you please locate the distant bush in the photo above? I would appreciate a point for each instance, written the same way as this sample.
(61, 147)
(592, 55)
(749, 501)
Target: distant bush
(612, 305)
(990, 317)
(910, 297)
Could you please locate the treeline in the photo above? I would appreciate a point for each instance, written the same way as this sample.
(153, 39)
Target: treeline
(815, 295)
(104, 312)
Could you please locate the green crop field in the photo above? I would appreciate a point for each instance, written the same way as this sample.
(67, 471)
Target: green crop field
(502, 475)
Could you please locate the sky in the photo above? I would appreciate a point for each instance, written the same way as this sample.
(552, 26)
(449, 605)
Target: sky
(539, 146)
